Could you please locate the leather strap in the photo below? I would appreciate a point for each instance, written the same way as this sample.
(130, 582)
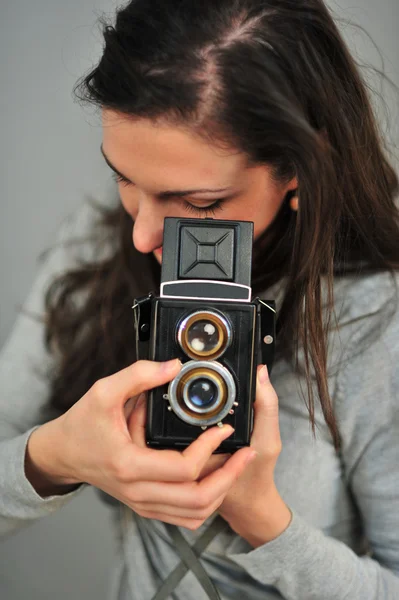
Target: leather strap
(189, 555)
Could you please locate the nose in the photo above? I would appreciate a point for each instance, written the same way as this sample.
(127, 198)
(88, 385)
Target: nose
(148, 225)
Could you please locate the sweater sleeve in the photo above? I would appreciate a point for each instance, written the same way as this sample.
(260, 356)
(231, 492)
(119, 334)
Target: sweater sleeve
(304, 563)
(24, 387)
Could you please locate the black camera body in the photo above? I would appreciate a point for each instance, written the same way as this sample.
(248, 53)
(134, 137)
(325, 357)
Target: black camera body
(205, 317)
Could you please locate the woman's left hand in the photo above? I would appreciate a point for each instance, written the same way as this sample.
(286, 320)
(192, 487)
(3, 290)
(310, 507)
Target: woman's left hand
(253, 507)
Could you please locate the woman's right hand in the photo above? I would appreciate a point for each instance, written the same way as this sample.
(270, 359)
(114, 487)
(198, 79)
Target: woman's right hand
(100, 440)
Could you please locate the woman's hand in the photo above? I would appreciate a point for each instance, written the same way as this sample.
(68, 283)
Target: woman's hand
(101, 441)
(253, 507)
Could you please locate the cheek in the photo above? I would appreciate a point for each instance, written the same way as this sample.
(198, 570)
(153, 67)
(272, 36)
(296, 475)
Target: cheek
(261, 211)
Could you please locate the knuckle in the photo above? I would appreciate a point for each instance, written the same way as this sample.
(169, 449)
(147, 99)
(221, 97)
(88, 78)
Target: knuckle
(274, 449)
(201, 501)
(204, 515)
(190, 470)
(272, 408)
(101, 389)
(139, 364)
(134, 497)
(142, 367)
(138, 511)
(194, 524)
(119, 468)
(216, 505)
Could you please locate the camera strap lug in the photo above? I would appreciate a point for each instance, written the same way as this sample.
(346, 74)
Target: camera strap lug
(142, 321)
(267, 315)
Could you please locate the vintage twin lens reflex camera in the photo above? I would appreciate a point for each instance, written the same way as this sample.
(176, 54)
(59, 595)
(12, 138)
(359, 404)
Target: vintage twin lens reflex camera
(205, 317)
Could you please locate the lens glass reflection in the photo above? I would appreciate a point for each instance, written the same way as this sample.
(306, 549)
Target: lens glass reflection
(202, 392)
(203, 336)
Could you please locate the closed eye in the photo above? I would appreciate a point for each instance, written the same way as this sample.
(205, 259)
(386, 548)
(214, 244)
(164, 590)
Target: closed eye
(205, 210)
(199, 210)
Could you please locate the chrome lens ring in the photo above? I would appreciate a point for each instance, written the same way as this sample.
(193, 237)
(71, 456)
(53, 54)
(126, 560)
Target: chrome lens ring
(219, 410)
(215, 319)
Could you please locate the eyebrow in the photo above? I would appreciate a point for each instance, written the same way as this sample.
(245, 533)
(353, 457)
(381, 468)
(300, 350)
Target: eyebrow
(167, 193)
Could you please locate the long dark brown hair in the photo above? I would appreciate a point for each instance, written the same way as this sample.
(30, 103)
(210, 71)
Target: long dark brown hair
(276, 80)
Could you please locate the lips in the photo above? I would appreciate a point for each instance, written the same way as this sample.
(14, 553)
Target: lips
(158, 251)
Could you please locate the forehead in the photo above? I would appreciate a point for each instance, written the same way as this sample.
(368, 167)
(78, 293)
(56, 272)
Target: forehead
(140, 147)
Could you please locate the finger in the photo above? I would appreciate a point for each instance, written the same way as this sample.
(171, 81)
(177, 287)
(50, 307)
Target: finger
(137, 420)
(219, 482)
(131, 381)
(215, 462)
(130, 406)
(176, 511)
(180, 522)
(149, 464)
(193, 494)
(266, 431)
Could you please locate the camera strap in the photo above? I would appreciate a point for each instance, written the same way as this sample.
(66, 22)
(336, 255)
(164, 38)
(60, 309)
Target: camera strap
(190, 555)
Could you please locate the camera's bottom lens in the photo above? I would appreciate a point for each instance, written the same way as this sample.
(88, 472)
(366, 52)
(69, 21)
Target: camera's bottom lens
(203, 393)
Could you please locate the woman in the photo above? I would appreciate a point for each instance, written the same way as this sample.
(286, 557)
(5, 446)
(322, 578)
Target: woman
(259, 103)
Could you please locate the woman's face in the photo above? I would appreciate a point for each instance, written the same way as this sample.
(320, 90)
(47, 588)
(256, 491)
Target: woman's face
(172, 173)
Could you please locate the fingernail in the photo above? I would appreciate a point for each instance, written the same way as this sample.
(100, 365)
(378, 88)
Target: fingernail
(170, 365)
(227, 429)
(263, 374)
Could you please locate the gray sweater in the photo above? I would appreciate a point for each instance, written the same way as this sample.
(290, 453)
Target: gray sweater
(343, 541)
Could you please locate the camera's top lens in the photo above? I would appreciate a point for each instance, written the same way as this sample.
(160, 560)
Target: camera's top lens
(204, 334)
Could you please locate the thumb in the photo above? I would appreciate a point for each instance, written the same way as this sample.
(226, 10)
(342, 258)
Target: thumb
(266, 431)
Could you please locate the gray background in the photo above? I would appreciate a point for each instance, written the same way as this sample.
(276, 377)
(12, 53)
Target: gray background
(49, 161)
